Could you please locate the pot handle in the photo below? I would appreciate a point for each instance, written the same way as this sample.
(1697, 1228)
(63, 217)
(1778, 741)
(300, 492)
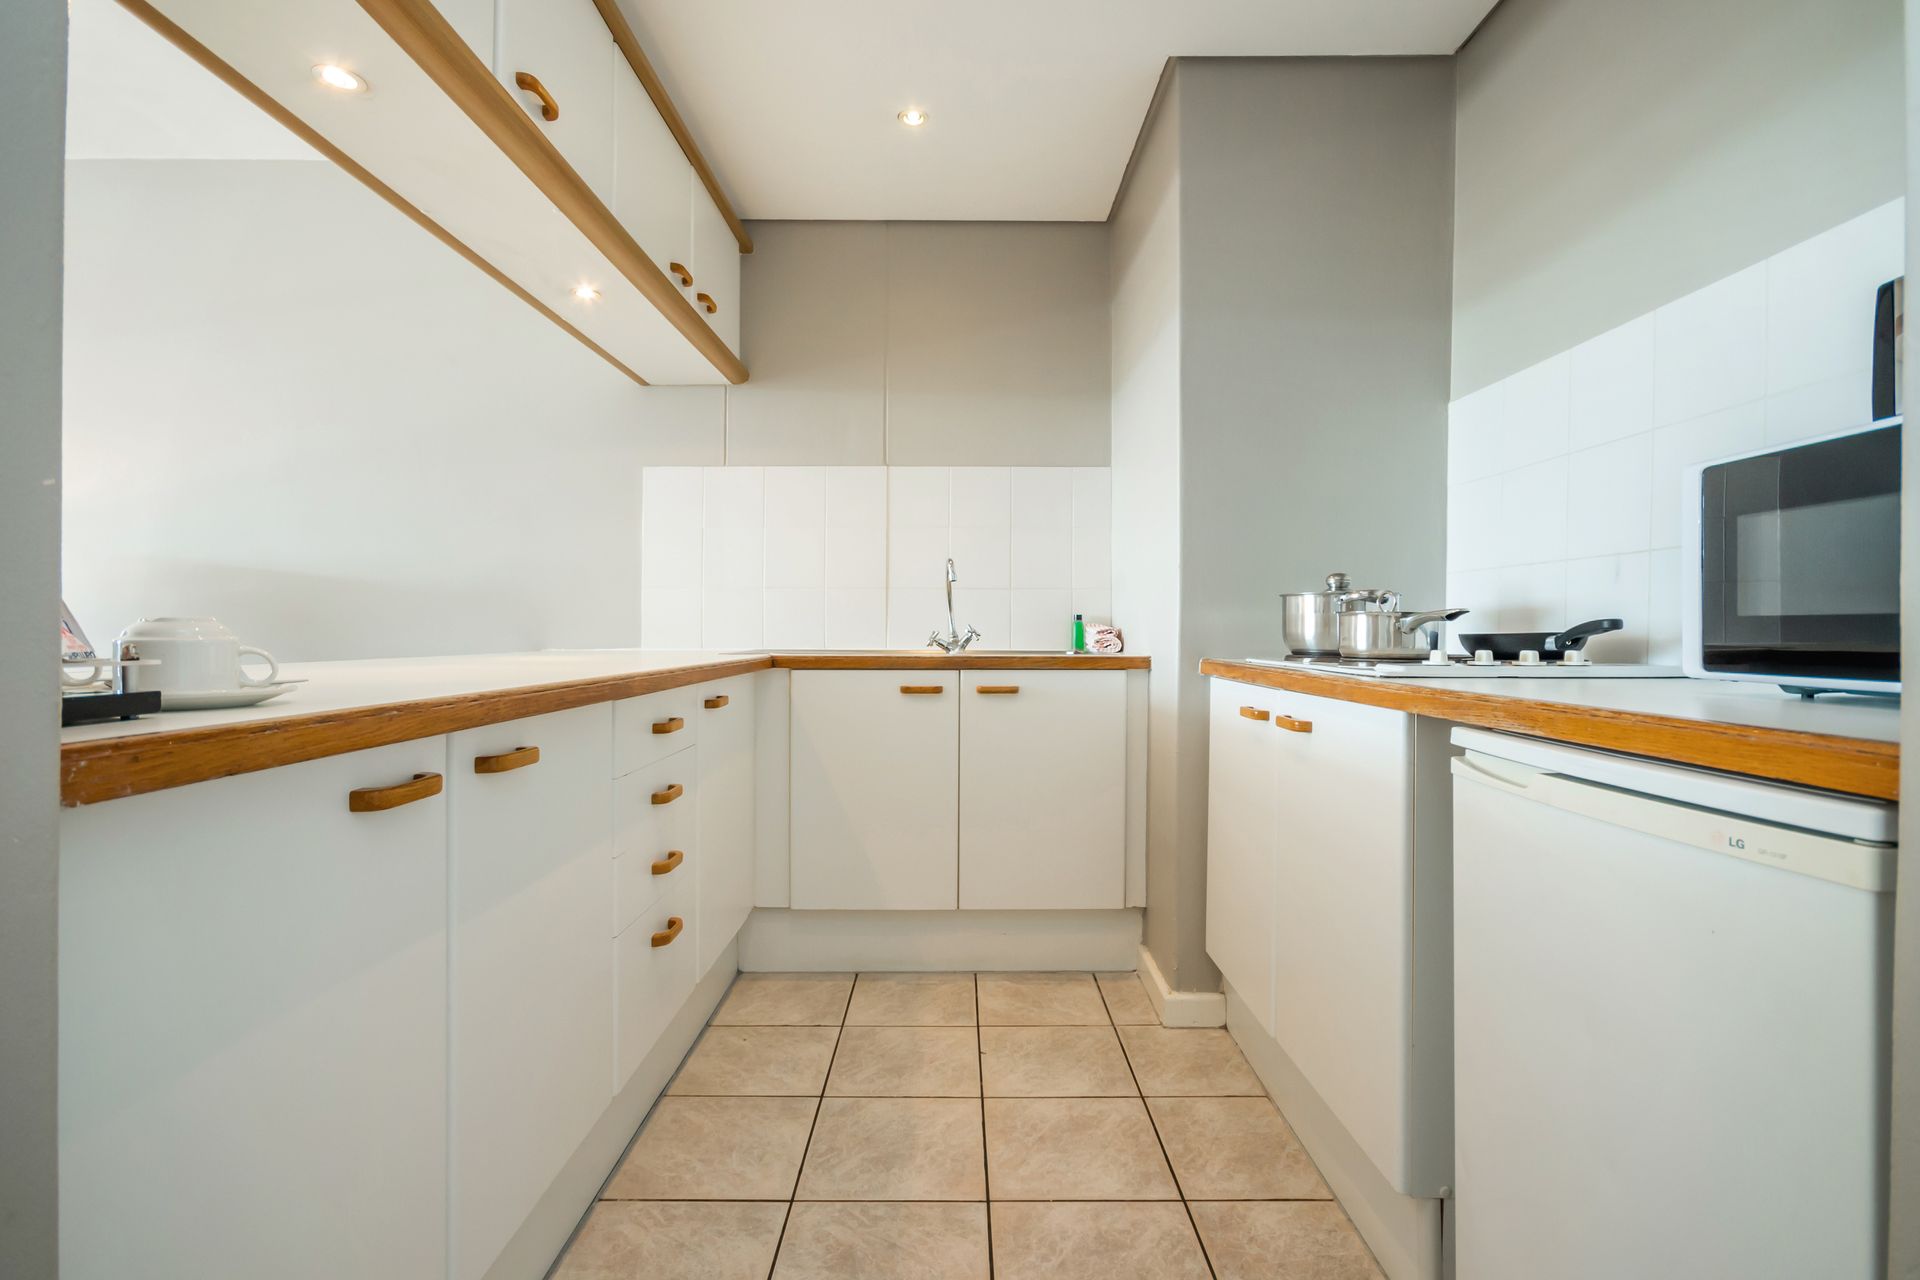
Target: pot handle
(1414, 621)
(1575, 638)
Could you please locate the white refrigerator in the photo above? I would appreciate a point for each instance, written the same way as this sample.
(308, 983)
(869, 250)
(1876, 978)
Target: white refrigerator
(1671, 1020)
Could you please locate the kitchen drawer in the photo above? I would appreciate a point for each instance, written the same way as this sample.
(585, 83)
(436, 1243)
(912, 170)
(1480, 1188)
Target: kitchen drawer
(653, 727)
(651, 821)
(652, 982)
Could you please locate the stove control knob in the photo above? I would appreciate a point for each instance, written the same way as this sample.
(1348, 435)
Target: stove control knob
(1529, 657)
(1483, 657)
(1574, 658)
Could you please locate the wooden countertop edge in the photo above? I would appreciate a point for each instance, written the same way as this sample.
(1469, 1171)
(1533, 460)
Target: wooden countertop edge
(1856, 766)
(113, 768)
(961, 662)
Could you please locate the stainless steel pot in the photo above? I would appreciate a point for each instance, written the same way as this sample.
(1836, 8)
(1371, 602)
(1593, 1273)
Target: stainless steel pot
(1390, 634)
(1310, 620)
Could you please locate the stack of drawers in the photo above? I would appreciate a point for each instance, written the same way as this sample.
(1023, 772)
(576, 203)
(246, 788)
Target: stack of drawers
(656, 853)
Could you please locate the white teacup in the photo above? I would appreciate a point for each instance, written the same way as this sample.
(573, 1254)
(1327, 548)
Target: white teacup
(196, 655)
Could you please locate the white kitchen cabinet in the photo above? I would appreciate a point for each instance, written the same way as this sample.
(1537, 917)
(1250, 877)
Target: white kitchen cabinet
(1343, 894)
(564, 45)
(253, 1027)
(716, 270)
(656, 833)
(473, 21)
(654, 965)
(727, 778)
(1043, 766)
(875, 801)
(653, 184)
(1329, 866)
(1243, 830)
(531, 871)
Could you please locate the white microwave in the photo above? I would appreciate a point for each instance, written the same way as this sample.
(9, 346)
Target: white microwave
(1790, 564)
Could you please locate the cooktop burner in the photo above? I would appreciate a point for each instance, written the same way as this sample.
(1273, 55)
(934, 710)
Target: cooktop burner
(1457, 667)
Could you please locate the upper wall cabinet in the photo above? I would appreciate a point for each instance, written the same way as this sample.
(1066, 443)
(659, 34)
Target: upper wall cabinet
(530, 136)
(556, 56)
(653, 185)
(716, 269)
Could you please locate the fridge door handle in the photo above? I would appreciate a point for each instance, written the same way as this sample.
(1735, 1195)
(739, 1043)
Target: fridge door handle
(1514, 779)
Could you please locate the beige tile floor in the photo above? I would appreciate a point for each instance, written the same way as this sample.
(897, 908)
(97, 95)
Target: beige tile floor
(958, 1126)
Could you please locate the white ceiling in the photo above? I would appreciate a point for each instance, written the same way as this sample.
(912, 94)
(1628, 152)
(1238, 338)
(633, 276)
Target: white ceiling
(133, 96)
(1033, 104)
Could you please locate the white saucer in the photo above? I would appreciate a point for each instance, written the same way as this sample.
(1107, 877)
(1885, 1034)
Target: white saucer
(222, 698)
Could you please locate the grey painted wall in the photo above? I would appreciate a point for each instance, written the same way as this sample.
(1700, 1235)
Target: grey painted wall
(1903, 1252)
(923, 344)
(1313, 266)
(1146, 542)
(33, 47)
(1612, 157)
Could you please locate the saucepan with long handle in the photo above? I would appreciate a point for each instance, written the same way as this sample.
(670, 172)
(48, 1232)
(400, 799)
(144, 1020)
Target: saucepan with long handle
(1391, 634)
(1550, 645)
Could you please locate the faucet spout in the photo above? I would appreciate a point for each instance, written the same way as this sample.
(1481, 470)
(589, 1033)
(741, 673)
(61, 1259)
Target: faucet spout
(953, 640)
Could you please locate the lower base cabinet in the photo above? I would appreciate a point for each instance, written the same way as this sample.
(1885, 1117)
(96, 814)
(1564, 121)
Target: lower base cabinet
(727, 794)
(253, 1028)
(958, 790)
(1043, 768)
(875, 800)
(529, 988)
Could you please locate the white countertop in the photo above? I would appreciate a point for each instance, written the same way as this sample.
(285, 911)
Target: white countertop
(339, 686)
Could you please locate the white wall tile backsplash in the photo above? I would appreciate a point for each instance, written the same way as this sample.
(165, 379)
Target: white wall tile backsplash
(1564, 479)
(855, 557)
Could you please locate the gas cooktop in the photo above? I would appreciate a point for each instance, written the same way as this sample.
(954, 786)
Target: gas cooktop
(1460, 667)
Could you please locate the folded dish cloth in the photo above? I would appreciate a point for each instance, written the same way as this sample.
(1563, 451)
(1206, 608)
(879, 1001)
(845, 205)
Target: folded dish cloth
(1102, 638)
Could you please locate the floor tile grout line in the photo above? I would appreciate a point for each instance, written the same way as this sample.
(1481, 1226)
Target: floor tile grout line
(986, 1171)
(1333, 1200)
(1192, 1224)
(819, 1102)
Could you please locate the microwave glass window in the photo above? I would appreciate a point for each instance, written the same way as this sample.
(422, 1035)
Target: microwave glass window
(1834, 558)
(1800, 560)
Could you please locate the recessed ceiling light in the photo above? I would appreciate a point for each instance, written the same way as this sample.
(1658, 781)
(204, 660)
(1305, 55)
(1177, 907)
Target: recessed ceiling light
(913, 117)
(338, 77)
(585, 292)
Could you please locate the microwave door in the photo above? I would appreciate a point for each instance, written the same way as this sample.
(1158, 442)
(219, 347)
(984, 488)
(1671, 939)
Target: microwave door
(1800, 562)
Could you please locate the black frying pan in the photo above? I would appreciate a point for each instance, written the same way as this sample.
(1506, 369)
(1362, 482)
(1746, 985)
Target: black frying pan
(1506, 645)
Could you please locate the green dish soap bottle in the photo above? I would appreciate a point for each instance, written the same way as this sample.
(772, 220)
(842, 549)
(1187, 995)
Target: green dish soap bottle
(1079, 633)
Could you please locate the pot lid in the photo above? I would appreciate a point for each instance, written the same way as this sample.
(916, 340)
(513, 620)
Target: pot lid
(1340, 587)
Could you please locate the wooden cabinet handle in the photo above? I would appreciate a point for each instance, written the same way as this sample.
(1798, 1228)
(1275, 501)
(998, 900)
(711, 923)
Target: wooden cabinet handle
(507, 761)
(549, 109)
(375, 799)
(1253, 713)
(673, 859)
(716, 702)
(669, 795)
(682, 274)
(997, 688)
(923, 688)
(672, 724)
(707, 304)
(674, 925)
(1291, 725)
